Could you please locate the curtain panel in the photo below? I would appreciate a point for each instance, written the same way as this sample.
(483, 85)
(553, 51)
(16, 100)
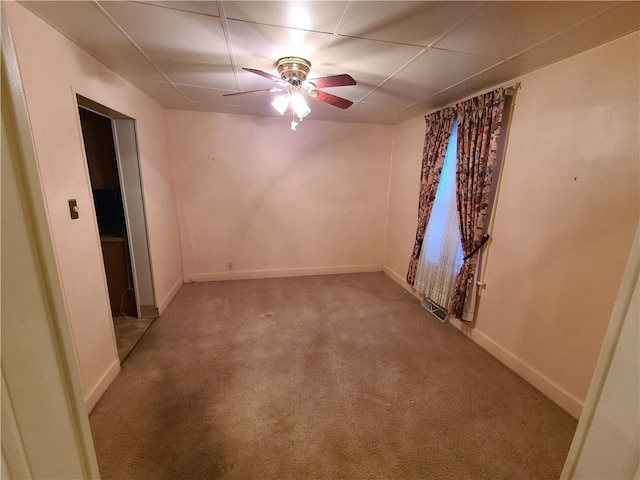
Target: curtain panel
(437, 133)
(479, 123)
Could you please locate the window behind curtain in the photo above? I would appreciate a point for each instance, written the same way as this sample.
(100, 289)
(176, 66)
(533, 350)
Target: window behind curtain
(441, 255)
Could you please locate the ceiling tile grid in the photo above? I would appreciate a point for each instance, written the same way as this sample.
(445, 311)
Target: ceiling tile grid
(408, 57)
(171, 34)
(502, 29)
(617, 20)
(320, 16)
(411, 23)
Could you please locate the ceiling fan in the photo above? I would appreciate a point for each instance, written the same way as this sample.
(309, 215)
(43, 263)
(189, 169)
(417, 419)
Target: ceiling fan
(295, 88)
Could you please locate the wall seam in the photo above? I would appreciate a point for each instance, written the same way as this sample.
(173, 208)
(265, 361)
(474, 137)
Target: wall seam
(388, 212)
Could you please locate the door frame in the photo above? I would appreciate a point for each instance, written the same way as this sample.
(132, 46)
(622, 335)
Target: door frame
(126, 147)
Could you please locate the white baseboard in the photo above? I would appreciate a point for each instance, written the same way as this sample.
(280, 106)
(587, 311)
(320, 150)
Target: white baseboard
(555, 392)
(174, 290)
(99, 388)
(287, 272)
(564, 399)
(400, 280)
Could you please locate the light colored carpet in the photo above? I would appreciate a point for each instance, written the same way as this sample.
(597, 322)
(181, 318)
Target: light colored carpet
(129, 331)
(319, 377)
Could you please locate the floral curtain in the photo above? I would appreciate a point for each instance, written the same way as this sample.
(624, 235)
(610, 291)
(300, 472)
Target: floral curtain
(436, 137)
(479, 122)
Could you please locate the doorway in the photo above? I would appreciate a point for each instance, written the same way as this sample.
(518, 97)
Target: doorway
(112, 160)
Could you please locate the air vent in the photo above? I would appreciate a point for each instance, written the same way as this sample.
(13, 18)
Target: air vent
(436, 310)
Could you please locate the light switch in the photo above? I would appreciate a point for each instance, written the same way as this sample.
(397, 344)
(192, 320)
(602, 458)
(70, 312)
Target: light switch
(73, 208)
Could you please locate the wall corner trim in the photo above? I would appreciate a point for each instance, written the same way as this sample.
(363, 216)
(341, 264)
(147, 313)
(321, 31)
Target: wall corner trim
(99, 388)
(172, 293)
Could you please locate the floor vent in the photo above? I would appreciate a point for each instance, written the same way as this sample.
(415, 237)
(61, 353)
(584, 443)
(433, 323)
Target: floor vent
(437, 311)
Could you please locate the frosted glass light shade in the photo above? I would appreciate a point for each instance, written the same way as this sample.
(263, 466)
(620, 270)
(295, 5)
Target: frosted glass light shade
(281, 103)
(299, 106)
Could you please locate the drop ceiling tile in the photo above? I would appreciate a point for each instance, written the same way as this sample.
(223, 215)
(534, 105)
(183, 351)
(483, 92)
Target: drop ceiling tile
(432, 72)
(208, 95)
(494, 77)
(198, 74)
(167, 33)
(503, 29)
(316, 16)
(191, 50)
(204, 7)
(353, 92)
(371, 109)
(406, 114)
(509, 70)
(367, 61)
(415, 23)
(160, 91)
(251, 81)
(615, 22)
(85, 25)
(259, 46)
(391, 93)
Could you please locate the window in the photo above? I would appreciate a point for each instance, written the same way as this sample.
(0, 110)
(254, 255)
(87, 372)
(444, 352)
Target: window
(441, 255)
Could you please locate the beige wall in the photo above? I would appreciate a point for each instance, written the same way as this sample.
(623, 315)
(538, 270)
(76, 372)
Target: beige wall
(404, 186)
(272, 202)
(564, 220)
(37, 413)
(53, 70)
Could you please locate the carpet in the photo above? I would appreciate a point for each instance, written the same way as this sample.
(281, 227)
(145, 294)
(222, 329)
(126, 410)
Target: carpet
(129, 331)
(319, 378)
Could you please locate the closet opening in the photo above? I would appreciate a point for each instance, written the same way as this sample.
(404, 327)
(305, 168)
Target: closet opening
(111, 153)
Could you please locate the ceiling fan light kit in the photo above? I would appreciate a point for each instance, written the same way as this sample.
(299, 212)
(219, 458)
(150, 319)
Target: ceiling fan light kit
(295, 89)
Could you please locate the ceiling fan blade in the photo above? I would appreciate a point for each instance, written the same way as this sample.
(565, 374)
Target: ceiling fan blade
(333, 100)
(263, 74)
(264, 90)
(333, 81)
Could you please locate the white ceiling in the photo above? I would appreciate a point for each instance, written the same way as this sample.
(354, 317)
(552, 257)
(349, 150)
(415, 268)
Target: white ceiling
(407, 57)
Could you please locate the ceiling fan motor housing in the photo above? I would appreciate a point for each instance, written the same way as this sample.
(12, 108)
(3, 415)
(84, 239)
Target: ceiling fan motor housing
(293, 69)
